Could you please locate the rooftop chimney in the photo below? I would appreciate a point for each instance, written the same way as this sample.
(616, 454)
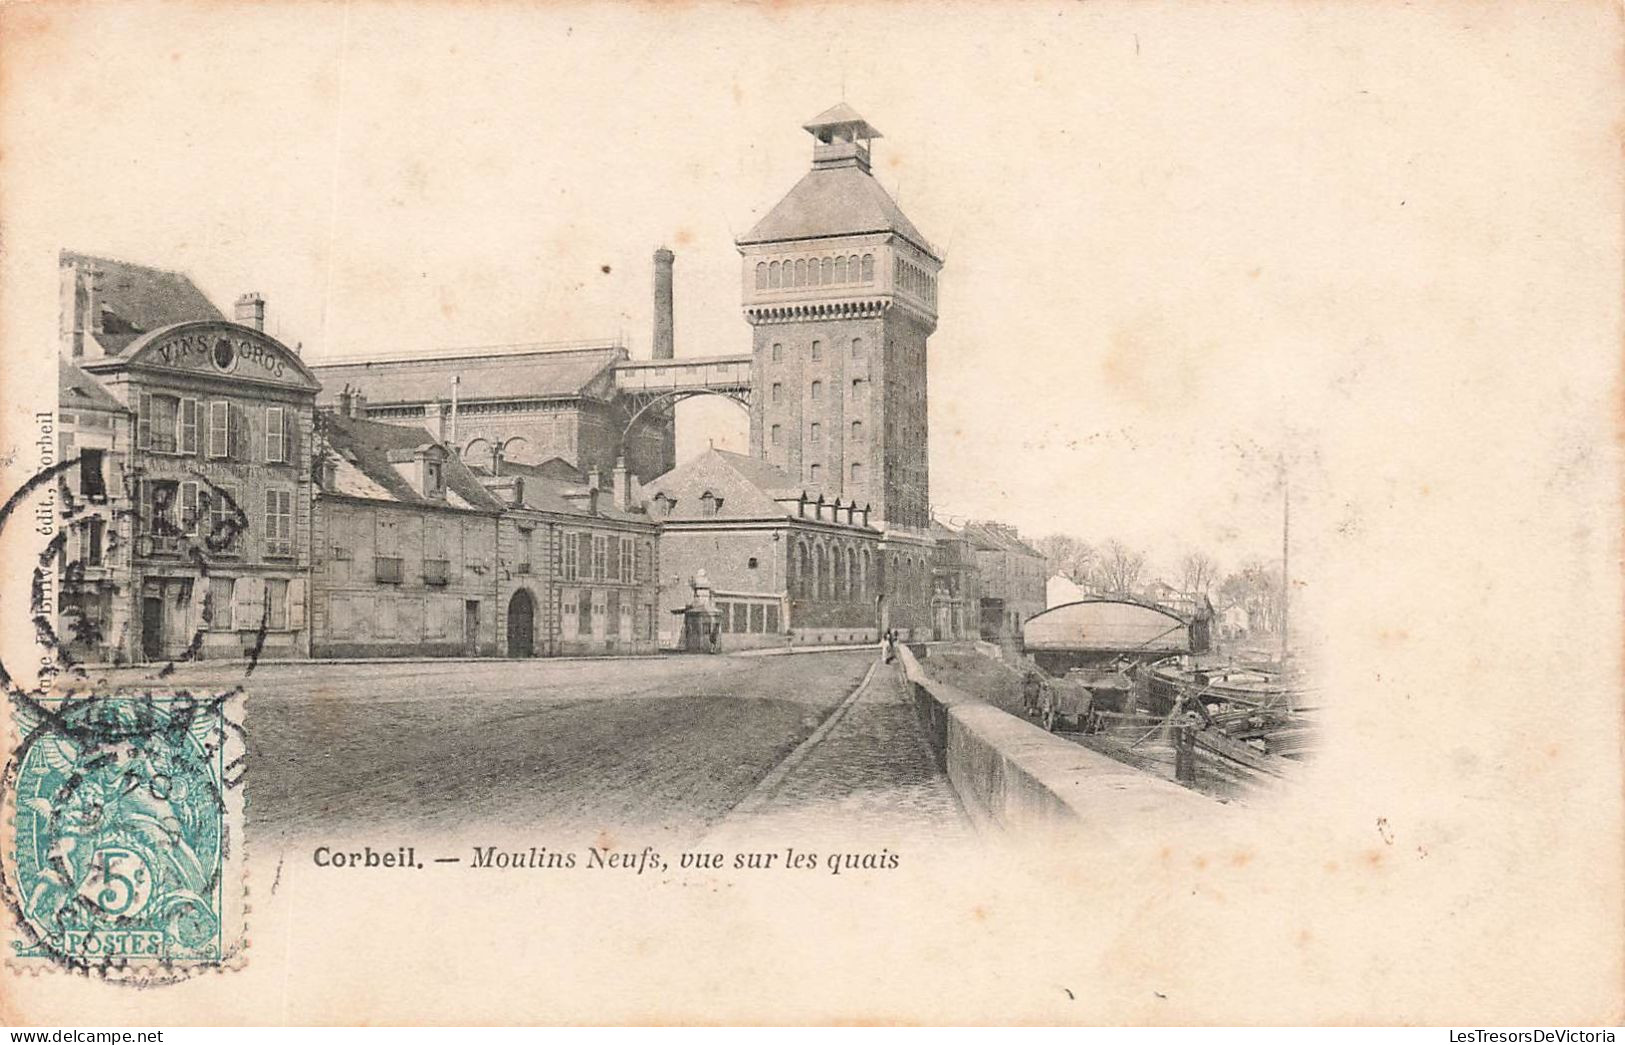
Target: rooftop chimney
(619, 484)
(251, 311)
(663, 338)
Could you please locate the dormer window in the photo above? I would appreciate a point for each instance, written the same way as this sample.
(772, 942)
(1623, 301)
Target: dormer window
(710, 503)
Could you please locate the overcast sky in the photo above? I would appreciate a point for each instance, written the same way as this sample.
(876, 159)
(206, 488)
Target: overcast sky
(1180, 244)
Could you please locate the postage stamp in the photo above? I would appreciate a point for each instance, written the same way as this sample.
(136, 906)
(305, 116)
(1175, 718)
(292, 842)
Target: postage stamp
(124, 852)
(127, 845)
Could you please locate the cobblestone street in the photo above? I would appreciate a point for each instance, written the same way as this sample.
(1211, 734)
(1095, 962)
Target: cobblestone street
(871, 775)
(565, 750)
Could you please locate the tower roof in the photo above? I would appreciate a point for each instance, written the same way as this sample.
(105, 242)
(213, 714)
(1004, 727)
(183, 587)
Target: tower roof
(840, 117)
(835, 201)
(838, 197)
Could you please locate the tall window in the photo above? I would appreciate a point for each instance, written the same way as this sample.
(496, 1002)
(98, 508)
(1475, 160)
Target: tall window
(223, 522)
(220, 591)
(189, 507)
(815, 432)
(818, 389)
(156, 423)
(801, 272)
(774, 275)
(612, 559)
(761, 275)
(276, 590)
(775, 434)
(814, 473)
(186, 426)
(778, 391)
(852, 268)
(628, 559)
(92, 482)
(279, 522)
(868, 268)
(829, 270)
(857, 472)
(276, 442)
(840, 270)
(600, 556)
(778, 353)
(219, 429)
(857, 347)
(857, 431)
(817, 351)
(570, 566)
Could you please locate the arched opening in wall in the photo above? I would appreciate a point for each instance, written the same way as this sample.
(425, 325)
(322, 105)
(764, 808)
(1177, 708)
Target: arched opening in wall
(711, 422)
(522, 624)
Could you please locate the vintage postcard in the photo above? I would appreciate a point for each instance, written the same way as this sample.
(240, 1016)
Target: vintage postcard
(926, 513)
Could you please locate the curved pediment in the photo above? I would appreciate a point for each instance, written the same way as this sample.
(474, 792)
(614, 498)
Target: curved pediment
(218, 349)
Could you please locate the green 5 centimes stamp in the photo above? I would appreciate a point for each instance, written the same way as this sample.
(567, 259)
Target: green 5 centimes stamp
(127, 854)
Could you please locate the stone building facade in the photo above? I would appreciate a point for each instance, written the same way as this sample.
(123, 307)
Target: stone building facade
(1013, 577)
(784, 565)
(579, 562)
(956, 585)
(526, 404)
(406, 546)
(213, 502)
(840, 292)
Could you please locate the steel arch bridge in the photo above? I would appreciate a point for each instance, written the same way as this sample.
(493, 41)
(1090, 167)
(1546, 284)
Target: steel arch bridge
(657, 385)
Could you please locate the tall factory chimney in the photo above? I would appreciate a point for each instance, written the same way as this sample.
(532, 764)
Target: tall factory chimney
(663, 343)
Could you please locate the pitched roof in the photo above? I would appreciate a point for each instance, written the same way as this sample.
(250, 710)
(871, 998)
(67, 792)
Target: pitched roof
(841, 115)
(996, 537)
(136, 299)
(77, 390)
(551, 488)
(539, 373)
(719, 473)
(835, 201)
(365, 469)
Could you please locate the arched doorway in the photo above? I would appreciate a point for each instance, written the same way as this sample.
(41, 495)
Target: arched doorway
(522, 624)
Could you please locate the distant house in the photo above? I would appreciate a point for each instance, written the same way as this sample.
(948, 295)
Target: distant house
(1012, 574)
(1060, 590)
(1234, 622)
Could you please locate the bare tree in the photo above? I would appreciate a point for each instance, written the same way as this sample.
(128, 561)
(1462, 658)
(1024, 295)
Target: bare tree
(1198, 572)
(1119, 567)
(1068, 556)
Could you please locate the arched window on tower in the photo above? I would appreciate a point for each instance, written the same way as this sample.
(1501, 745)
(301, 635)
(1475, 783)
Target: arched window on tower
(803, 573)
(852, 268)
(817, 351)
(829, 270)
(778, 353)
(857, 433)
(852, 591)
(801, 272)
(857, 348)
(840, 270)
(817, 390)
(774, 276)
(815, 474)
(857, 472)
(761, 275)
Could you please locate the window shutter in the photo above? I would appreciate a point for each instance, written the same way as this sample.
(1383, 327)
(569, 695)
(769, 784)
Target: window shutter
(143, 421)
(237, 431)
(296, 604)
(290, 436)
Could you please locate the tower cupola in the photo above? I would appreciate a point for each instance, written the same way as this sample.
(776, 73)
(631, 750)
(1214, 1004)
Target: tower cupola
(842, 138)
